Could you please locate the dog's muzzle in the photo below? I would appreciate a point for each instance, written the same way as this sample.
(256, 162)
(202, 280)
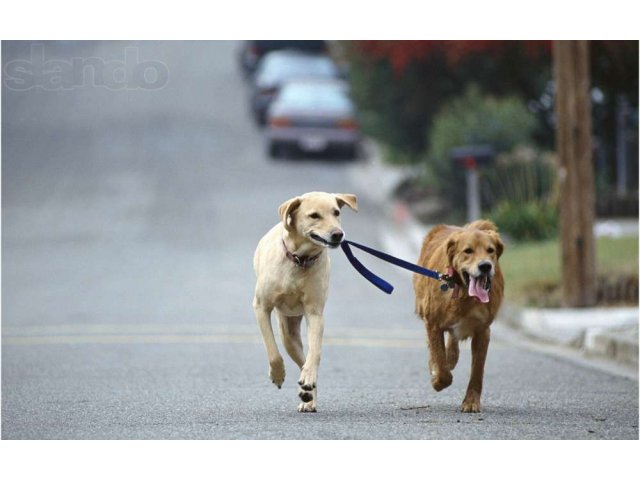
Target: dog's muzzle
(334, 240)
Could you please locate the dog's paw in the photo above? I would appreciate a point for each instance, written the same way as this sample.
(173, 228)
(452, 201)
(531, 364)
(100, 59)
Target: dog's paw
(307, 380)
(440, 381)
(276, 372)
(307, 407)
(305, 395)
(470, 407)
(471, 403)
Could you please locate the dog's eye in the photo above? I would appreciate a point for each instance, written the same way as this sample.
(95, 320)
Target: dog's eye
(314, 215)
(468, 250)
(490, 250)
(336, 213)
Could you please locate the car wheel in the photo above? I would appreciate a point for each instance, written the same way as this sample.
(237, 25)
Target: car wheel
(274, 150)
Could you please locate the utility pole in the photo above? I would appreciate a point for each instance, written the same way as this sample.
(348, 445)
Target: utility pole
(577, 190)
(622, 111)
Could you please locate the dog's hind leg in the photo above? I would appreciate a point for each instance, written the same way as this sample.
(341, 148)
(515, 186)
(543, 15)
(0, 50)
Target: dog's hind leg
(276, 363)
(291, 339)
(453, 351)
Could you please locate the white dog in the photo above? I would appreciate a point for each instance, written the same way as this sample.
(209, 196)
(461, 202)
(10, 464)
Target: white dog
(292, 269)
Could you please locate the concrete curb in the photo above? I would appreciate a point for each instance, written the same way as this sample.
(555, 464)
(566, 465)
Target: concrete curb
(620, 345)
(608, 333)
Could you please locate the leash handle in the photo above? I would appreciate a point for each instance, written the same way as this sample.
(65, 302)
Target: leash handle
(382, 284)
(397, 261)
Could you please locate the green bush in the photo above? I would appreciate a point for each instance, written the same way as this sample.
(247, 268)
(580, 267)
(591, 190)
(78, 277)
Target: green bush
(520, 190)
(531, 220)
(474, 119)
(521, 175)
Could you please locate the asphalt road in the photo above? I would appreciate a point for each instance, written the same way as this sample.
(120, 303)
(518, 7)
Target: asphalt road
(129, 221)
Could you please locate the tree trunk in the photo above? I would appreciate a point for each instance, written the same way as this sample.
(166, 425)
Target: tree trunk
(577, 195)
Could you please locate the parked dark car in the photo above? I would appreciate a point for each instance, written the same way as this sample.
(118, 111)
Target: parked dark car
(281, 66)
(312, 115)
(252, 51)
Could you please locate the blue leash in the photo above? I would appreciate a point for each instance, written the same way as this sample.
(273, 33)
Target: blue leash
(383, 284)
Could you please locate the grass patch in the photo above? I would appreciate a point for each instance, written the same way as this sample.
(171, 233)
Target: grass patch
(532, 269)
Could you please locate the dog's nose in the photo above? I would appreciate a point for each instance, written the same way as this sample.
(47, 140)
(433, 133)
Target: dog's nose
(336, 236)
(485, 267)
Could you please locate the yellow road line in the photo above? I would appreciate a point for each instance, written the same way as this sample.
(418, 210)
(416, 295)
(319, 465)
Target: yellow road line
(189, 328)
(28, 340)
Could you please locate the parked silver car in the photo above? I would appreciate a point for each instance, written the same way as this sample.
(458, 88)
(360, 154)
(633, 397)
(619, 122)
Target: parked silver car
(252, 51)
(312, 115)
(278, 67)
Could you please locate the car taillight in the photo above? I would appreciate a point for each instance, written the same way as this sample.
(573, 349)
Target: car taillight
(279, 122)
(347, 124)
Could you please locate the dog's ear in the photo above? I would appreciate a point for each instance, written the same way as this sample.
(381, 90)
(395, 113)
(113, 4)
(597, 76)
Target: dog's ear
(452, 245)
(499, 244)
(286, 209)
(347, 199)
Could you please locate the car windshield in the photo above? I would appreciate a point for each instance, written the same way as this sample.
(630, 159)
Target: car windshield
(277, 68)
(310, 96)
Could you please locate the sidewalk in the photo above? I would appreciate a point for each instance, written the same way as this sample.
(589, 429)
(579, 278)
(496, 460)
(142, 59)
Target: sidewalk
(605, 333)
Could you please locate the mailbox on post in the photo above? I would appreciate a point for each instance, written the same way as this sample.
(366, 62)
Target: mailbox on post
(471, 158)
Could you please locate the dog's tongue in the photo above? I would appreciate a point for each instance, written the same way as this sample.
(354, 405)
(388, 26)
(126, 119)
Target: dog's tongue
(476, 290)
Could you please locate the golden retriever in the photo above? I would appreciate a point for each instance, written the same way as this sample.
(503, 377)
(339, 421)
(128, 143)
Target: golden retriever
(471, 254)
(292, 270)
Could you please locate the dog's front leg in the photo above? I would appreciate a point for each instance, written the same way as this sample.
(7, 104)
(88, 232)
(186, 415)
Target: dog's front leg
(440, 374)
(309, 372)
(276, 363)
(479, 347)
